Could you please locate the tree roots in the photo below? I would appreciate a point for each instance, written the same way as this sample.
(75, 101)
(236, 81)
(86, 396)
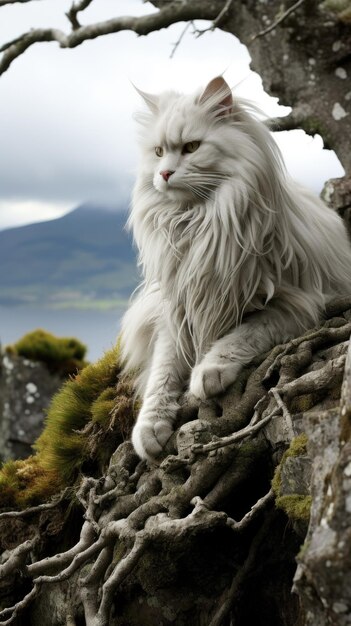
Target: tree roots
(132, 508)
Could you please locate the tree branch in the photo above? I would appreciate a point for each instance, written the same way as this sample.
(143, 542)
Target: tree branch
(281, 19)
(250, 515)
(3, 2)
(170, 14)
(35, 509)
(222, 14)
(76, 8)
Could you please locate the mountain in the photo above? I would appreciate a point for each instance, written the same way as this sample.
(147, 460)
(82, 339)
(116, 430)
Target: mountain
(84, 258)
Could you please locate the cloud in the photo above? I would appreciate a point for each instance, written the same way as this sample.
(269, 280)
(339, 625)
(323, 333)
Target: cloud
(66, 127)
(19, 213)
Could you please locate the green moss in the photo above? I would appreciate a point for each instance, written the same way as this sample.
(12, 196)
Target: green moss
(91, 414)
(297, 448)
(297, 507)
(342, 8)
(63, 445)
(64, 355)
(303, 403)
(276, 480)
(103, 406)
(25, 482)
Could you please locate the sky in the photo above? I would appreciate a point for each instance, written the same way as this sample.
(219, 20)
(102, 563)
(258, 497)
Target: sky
(67, 134)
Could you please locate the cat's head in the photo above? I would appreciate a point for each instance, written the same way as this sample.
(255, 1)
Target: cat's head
(184, 141)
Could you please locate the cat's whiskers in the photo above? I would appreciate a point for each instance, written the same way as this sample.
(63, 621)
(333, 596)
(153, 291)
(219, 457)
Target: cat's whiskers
(197, 191)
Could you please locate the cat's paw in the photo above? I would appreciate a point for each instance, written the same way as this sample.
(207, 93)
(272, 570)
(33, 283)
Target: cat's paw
(149, 437)
(208, 380)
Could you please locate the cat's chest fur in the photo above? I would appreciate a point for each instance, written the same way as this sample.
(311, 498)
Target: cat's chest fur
(193, 262)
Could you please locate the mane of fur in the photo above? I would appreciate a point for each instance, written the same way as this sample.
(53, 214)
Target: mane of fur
(252, 239)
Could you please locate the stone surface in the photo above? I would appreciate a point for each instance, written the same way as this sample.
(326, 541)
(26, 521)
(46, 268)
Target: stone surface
(26, 388)
(337, 194)
(323, 577)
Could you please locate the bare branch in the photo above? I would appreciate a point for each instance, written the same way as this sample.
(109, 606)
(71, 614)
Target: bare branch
(281, 19)
(121, 571)
(179, 40)
(76, 8)
(223, 13)
(170, 14)
(300, 117)
(255, 509)
(18, 608)
(285, 411)
(238, 579)
(17, 558)
(3, 2)
(35, 509)
(87, 537)
(248, 431)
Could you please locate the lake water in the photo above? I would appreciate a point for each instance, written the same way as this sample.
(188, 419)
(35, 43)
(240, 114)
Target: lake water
(97, 329)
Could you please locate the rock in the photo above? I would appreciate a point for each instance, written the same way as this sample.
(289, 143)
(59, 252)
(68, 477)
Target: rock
(337, 194)
(323, 576)
(26, 388)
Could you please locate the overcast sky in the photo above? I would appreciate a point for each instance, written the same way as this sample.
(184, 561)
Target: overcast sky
(66, 129)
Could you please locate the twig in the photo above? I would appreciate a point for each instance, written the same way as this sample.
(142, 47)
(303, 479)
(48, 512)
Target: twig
(79, 559)
(248, 431)
(281, 19)
(285, 411)
(76, 8)
(121, 571)
(17, 608)
(17, 558)
(238, 579)
(316, 337)
(217, 20)
(255, 509)
(46, 565)
(177, 43)
(3, 2)
(35, 509)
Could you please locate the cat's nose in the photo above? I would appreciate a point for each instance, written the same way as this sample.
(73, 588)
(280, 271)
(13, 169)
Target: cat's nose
(166, 174)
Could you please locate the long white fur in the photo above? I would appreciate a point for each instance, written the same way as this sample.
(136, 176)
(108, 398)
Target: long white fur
(235, 256)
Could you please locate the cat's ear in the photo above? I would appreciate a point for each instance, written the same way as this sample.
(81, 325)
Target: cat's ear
(218, 96)
(150, 99)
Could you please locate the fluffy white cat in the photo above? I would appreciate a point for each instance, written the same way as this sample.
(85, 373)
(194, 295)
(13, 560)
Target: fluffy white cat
(235, 256)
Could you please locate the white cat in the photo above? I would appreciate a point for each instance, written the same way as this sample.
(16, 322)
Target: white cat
(236, 257)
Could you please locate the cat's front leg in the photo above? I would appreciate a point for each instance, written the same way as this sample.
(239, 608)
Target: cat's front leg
(262, 331)
(155, 423)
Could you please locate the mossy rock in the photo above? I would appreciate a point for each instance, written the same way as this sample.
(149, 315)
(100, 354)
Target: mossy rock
(296, 505)
(26, 482)
(87, 419)
(63, 355)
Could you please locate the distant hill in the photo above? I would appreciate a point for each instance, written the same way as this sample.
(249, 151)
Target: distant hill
(84, 259)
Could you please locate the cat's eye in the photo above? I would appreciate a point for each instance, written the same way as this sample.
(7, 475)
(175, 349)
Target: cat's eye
(159, 151)
(191, 146)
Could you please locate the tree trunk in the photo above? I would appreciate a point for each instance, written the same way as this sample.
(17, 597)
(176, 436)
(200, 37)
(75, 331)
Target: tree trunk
(304, 60)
